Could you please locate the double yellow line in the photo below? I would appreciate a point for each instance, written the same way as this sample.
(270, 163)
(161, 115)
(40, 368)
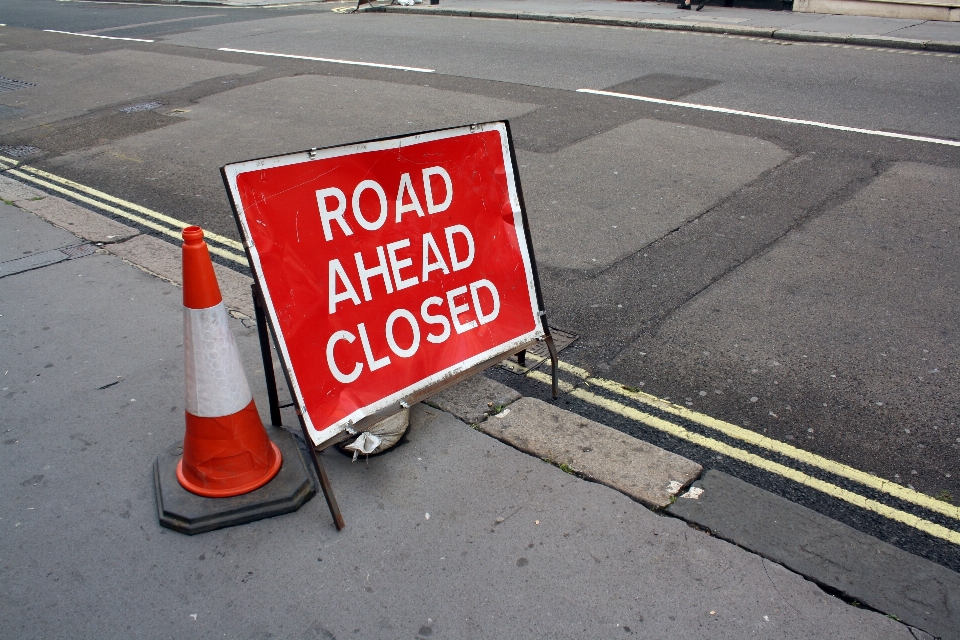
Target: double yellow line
(635, 407)
(631, 412)
(219, 245)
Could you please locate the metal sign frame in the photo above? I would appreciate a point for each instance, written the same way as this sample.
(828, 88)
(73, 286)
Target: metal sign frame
(423, 388)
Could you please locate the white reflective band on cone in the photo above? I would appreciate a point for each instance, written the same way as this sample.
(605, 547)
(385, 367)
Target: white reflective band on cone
(216, 385)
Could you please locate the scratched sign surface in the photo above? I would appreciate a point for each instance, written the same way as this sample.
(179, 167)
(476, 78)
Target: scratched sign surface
(387, 266)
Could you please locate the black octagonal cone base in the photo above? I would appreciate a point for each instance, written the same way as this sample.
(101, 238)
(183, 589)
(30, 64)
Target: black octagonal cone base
(189, 513)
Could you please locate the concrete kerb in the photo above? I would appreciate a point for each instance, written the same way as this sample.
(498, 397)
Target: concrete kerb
(794, 35)
(592, 451)
(887, 42)
(734, 30)
(162, 258)
(809, 36)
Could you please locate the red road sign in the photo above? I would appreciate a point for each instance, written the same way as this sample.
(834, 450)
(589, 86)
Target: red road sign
(389, 267)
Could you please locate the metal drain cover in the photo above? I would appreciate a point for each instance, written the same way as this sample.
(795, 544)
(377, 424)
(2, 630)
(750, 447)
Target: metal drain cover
(18, 151)
(539, 352)
(78, 250)
(9, 84)
(146, 106)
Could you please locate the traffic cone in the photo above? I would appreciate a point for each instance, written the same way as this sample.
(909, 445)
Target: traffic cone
(226, 451)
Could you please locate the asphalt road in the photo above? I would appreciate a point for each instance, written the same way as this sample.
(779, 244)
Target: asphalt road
(799, 281)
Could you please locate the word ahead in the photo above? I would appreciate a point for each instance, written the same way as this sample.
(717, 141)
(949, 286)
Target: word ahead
(388, 268)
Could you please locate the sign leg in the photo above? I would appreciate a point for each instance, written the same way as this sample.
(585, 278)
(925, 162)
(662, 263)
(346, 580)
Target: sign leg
(327, 488)
(267, 357)
(553, 361)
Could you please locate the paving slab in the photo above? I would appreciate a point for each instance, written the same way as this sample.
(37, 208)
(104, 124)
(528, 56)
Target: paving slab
(919, 592)
(930, 30)
(25, 234)
(12, 190)
(640, 470)
(473, 399)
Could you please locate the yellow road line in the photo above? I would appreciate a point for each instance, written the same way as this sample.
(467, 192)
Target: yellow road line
(209, 235)
(834, 491)
(150, 224)
(754, 438)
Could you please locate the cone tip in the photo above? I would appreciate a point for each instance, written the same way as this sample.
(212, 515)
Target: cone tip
(193, 235)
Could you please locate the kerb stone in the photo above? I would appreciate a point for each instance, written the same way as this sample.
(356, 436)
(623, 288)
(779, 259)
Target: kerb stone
(474, 399)
(636, 468)
(164, 259)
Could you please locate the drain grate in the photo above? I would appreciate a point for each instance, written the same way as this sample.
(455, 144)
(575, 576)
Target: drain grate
(145, 106)
(9, 84)
(539, 352)
(18, 151)
(78, 250)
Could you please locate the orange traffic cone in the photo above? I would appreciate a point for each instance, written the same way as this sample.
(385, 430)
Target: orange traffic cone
(226, 451)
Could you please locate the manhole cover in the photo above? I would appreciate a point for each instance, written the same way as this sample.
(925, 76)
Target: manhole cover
(539, 352)
(78, 250)
(146, 106)
(9, 84)
(18, 151)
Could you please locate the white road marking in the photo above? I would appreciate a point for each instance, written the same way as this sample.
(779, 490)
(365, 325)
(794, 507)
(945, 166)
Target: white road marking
(90, 35)
(763, 116)
(150, 24)
(361, 64)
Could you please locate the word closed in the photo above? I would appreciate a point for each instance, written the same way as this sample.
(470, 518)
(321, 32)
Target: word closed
(388, 266)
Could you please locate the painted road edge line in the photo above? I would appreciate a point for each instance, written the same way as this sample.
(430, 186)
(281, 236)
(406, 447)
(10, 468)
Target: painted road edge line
(334, 60)
(91, 35)
(770, 444)
(763, 116)
(209, 235)
(150, 224)
(930, 528)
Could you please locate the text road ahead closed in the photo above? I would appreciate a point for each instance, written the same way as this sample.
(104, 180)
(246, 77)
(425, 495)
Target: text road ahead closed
(388, 266)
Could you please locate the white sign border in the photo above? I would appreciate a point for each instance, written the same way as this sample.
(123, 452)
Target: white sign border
(232, 171)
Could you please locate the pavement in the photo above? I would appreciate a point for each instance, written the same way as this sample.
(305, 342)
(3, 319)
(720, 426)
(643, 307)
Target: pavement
(741, 21)
(453, 533)
(751, 21)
